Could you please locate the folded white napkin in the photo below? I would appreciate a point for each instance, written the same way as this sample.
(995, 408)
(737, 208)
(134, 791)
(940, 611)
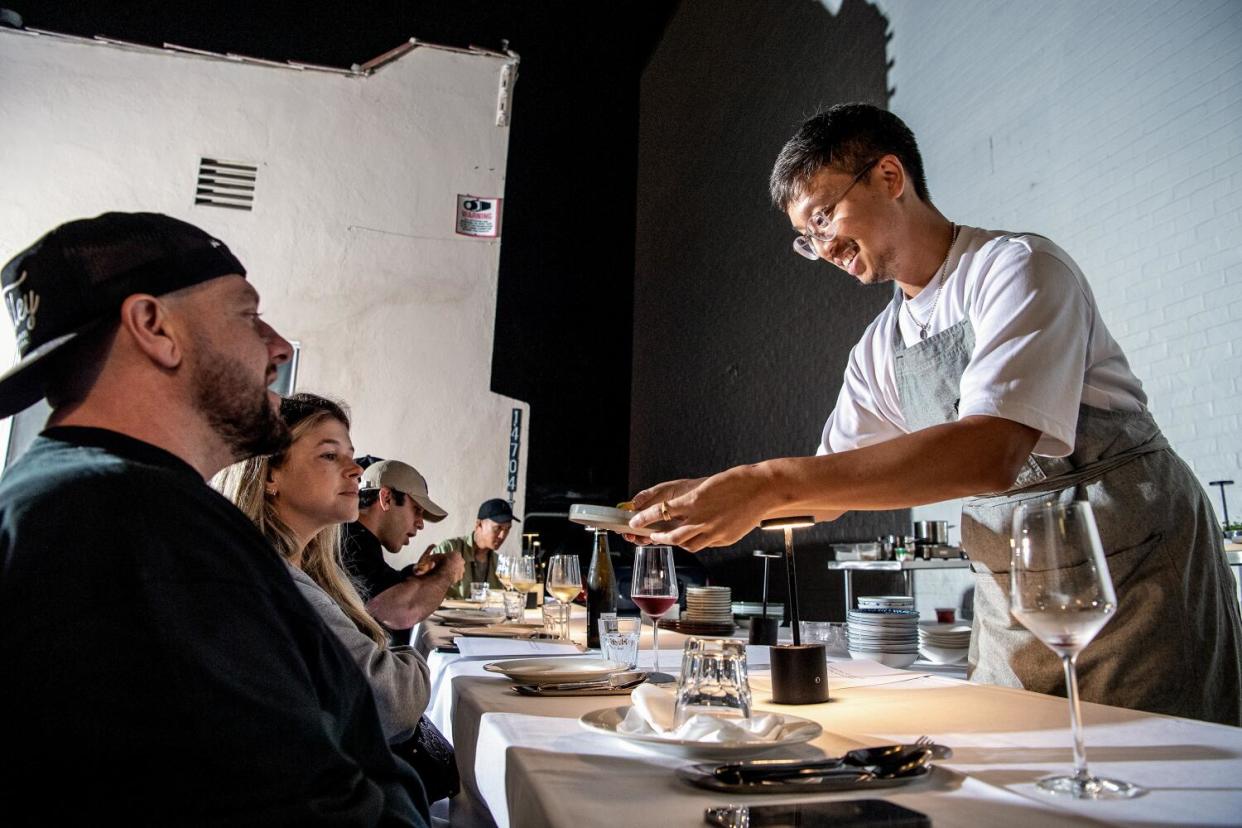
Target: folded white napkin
(652, 715)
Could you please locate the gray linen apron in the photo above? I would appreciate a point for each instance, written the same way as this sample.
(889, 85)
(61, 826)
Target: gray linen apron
(1175, 643)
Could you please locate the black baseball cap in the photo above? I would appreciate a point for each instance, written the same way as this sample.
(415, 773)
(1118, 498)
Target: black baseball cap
(497, 510)
(76, 277)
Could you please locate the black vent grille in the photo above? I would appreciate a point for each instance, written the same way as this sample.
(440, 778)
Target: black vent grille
(226, 184)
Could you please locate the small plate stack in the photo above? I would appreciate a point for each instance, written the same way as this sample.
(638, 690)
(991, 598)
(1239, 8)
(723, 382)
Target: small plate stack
(887, 635)
(709, 605)
(885, 602)
(709, 611)
(944, 643)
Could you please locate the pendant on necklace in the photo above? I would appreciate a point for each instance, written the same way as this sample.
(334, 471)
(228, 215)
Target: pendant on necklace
(922, 333)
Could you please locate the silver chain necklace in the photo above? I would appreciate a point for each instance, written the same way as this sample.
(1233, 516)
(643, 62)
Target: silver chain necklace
(923, 326)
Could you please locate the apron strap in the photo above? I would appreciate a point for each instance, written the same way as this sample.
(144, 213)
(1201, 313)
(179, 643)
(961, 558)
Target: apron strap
(1083, 475)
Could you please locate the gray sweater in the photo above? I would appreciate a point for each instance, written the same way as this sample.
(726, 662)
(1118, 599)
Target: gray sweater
(398, 676)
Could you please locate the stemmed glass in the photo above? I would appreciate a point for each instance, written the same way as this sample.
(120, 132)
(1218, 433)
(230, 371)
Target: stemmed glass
(522, 574)
(653, 588)
(564, 582)
(504, 563)
(1061, 591)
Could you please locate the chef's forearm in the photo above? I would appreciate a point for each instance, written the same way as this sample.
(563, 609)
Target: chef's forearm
(972, 456)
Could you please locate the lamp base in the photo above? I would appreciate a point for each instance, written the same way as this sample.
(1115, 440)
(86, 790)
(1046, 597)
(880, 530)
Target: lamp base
(799, 674)
(764, 630)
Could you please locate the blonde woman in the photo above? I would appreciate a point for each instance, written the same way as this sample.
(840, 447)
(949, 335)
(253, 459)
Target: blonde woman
(298, 499)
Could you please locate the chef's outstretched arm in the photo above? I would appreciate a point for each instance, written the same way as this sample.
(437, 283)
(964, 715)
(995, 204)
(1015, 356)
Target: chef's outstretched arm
(974, 455)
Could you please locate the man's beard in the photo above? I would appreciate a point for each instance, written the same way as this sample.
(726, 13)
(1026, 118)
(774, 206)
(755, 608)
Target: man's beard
(237, 410)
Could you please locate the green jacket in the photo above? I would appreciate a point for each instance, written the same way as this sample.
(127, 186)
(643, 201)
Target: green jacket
(484, 570)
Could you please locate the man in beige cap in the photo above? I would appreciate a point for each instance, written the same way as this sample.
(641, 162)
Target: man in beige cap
(392, 506)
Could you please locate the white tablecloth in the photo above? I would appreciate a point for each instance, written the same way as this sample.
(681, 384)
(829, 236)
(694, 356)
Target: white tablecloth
(528, 762)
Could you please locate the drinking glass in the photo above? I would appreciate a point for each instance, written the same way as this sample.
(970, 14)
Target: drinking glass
(504, 566)
(515, 605)
(618, 639)
(479, 591)
(522, 574)
(564, 578)
(556, 618)
(713, 680)
(653, 588)
(1061, 591)
(829, 633)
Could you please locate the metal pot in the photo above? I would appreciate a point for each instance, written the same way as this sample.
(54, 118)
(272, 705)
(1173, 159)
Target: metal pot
(932, 532)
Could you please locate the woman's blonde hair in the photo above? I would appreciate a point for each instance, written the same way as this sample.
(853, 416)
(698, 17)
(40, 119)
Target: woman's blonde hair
(245, 484)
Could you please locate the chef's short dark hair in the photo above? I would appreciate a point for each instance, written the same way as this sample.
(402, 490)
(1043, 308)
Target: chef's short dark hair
(846, 137)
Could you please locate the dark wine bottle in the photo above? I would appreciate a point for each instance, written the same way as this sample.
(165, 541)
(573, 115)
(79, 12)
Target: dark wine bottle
(601, 588)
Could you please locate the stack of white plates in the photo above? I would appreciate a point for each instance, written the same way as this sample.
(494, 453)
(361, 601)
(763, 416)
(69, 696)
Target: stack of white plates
(709, 605)
(885, 602)
(889, 636)
(944, 643)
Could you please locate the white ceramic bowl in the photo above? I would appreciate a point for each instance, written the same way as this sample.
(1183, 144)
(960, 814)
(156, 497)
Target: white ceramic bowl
(942, 655)
(897, 660)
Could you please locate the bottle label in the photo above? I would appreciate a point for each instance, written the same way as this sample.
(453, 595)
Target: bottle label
(612, 616)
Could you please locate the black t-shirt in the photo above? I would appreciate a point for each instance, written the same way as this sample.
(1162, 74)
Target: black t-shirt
(363, 555)
(159, 664)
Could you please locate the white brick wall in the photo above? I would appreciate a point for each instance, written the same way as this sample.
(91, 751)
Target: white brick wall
(1114, 128)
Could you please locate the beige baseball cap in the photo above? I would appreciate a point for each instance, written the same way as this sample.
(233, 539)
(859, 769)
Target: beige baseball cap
(403, 478)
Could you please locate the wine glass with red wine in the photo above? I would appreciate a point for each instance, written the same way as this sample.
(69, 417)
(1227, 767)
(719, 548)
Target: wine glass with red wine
(654, 588)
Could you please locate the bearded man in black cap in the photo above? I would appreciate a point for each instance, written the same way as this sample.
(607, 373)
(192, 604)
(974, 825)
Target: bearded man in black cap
(159, 664)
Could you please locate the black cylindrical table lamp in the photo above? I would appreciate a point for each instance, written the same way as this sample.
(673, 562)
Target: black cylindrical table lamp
(799, 671)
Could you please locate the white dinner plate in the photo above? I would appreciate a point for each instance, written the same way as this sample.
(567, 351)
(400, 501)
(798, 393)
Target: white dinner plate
(614, 520)
(554, 670)
(468, 617)
(607, 719)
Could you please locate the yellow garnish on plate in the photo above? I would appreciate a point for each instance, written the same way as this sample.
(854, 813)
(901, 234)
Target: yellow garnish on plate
(627, 506)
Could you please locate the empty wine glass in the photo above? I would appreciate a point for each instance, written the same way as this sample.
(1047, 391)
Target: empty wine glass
(1061, 591)
(504, 566)
(653, 588)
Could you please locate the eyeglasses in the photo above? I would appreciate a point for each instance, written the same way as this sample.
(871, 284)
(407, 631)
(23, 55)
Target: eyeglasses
(820, 227)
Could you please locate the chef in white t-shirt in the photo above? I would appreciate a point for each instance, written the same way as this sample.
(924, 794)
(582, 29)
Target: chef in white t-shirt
(990, 376)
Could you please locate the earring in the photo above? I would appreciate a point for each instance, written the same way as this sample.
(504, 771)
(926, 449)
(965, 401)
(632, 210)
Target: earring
(271, 491)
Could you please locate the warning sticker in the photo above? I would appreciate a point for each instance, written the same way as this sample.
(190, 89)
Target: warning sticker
(478, 216)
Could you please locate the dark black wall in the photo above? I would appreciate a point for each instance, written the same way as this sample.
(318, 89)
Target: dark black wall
(739, 344)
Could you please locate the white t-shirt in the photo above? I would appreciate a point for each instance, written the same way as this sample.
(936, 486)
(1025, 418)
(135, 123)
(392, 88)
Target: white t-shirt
(1040, 349)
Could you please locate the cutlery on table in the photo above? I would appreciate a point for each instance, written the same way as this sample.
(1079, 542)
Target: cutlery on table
(889, 759)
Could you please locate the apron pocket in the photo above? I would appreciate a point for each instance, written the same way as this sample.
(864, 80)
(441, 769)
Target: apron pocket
(1125, 563)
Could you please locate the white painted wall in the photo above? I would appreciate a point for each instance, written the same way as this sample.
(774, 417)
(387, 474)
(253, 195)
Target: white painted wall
(351, 242)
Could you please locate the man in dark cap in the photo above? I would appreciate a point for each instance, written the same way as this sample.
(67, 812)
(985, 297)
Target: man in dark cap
(392, 506)
(478, 548)
(159, 664)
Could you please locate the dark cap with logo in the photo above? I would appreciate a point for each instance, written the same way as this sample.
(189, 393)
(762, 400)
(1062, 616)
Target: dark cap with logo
(77, 276)
(497, 510)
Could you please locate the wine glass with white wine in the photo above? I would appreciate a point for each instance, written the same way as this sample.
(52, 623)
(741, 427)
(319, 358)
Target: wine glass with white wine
(564, 582)
(1061, 591)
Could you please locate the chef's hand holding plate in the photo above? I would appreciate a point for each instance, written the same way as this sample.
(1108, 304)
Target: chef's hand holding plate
(654, 496)
(711, 511)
